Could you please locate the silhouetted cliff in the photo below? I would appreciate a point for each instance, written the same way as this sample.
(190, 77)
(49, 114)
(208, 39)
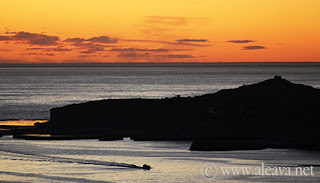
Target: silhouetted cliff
(274, 104)
(272, 108)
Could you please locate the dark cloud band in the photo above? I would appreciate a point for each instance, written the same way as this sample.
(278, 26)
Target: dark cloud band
(240, 41)
(192, 40)
(135, 49)
(253, 47)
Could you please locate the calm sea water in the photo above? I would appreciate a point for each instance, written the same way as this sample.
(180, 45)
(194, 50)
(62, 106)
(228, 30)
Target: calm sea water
(30, 92)
(90, 160)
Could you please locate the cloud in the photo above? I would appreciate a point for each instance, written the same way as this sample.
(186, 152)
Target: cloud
(87, 52)
(135, 49)
(86, 56)
(4, 50)
(166, 20)
(7, 32)
(91, 48)
(100, 39)
(240, 41)
(103, 39)
(168, 42)
(25, 35)
(132, 55)
(253, 47)
(36, 39)
(58, 49)
(33, 53)
(5, 38)
(75, 40)
(31, 38)
(45, 40)
(178, 56)
(34, 48)
(148, 55)
(191, 40)
(91, 45)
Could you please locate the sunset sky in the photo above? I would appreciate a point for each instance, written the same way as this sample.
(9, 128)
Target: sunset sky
(74, 31)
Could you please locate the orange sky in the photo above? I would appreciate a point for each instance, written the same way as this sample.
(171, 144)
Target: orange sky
(44, 31)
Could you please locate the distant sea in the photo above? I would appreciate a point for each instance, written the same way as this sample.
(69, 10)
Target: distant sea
(30, 91)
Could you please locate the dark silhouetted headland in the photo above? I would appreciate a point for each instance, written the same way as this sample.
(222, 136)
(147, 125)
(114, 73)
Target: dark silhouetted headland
(271, 114)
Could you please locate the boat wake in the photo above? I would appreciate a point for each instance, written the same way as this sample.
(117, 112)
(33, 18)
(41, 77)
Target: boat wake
(10, 155)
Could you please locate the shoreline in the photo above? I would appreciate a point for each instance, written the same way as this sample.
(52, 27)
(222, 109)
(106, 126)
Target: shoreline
(21, 122)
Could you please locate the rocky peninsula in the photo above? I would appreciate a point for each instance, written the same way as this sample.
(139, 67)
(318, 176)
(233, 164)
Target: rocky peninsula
(274, 113)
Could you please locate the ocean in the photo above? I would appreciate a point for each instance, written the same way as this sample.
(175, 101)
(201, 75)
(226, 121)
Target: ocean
(101, 161)
(30, 91)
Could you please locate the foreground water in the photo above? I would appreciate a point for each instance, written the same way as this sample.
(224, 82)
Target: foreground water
(30, 92)
(101, 161)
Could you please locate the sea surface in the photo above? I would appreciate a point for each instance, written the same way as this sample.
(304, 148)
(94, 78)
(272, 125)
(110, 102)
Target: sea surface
(29, 92)
(104, 161)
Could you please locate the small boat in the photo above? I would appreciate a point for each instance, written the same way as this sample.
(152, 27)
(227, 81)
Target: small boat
(146, 167)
